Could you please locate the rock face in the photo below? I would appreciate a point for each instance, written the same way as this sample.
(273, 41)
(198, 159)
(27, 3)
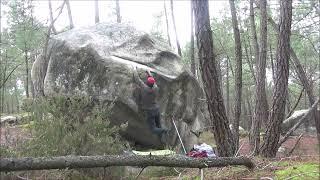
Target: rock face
(98, 61)
(11, 120)
(294, 118)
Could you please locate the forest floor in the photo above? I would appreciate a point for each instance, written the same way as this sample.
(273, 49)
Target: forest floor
(302, 162)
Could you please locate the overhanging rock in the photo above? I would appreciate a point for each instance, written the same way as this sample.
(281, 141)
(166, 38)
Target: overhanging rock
(98, 61)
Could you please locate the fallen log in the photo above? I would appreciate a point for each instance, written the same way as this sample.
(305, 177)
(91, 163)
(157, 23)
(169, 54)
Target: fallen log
(73, 162)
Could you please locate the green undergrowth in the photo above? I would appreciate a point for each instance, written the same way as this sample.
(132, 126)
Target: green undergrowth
(156, 172)
(299, 171)
(75, 125)
(6, 151)
(265, 169)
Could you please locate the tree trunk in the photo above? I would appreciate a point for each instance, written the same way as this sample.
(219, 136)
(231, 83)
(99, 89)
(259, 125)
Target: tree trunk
(272, 65)
(210, 77)
(8, 104)
(45, 61)
(175, 29)
(249, 109)
(238, 73)
(245, 115)
(277, 114)
(302, 77)
(51, 17)
(254, 33)
(12, 104)
(228, 91)
(32, 58)
(75, 162)
(71, 25)
(1, 64)
(261, 104)
(308, 87)
(16, 96)
(193, 64)
(4, 65)
(27, 71)
(288, 105)
(118, 11)
(96, 10)
(167, 22)
(249, 60)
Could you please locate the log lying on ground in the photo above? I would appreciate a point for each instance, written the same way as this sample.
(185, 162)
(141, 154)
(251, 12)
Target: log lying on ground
(73, 162)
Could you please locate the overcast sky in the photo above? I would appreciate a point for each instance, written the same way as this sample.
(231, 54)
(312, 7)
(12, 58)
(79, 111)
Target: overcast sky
(141, 13)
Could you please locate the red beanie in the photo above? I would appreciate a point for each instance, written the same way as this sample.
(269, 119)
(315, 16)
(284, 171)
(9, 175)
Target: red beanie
(151, 80)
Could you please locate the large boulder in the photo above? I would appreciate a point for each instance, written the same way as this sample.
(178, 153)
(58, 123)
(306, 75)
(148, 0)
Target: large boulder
(295, 118)
(98, 61)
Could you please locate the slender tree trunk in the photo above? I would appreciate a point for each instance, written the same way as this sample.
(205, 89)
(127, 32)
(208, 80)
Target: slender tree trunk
(118, 11)
(51, 17)
(277, 114)
(4, 65)
(308, 87)
(254, 33)
(175, 29)
(219, 120)
(252, 61)
(249, 108)
(245, 115)
(230, 66)
(71, 25)
(302, 77)
(261, 104)
(238, 77)
(26, 59)
(249, 60)
(288, 105)
(193, 64)
(272, 65)
(167, 22)
(16, 96)
(230, 77)
(8, 104)
(11, 104)
(1, 64)
(96, 10)
(45, 62)
(228, 91)
(32, 58)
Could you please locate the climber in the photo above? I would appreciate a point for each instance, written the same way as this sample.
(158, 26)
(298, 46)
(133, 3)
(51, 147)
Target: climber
(148, 98)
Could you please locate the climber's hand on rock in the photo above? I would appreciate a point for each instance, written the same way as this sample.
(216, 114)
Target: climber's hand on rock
(134, 67)
(148, 73)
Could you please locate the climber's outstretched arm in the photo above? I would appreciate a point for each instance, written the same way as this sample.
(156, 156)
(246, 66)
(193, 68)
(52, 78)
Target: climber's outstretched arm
(137, 78)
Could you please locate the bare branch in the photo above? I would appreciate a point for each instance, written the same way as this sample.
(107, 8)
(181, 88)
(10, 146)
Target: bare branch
(9, 75)
(296, 104)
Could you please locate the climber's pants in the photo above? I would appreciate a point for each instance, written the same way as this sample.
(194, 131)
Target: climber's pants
(153, 120)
